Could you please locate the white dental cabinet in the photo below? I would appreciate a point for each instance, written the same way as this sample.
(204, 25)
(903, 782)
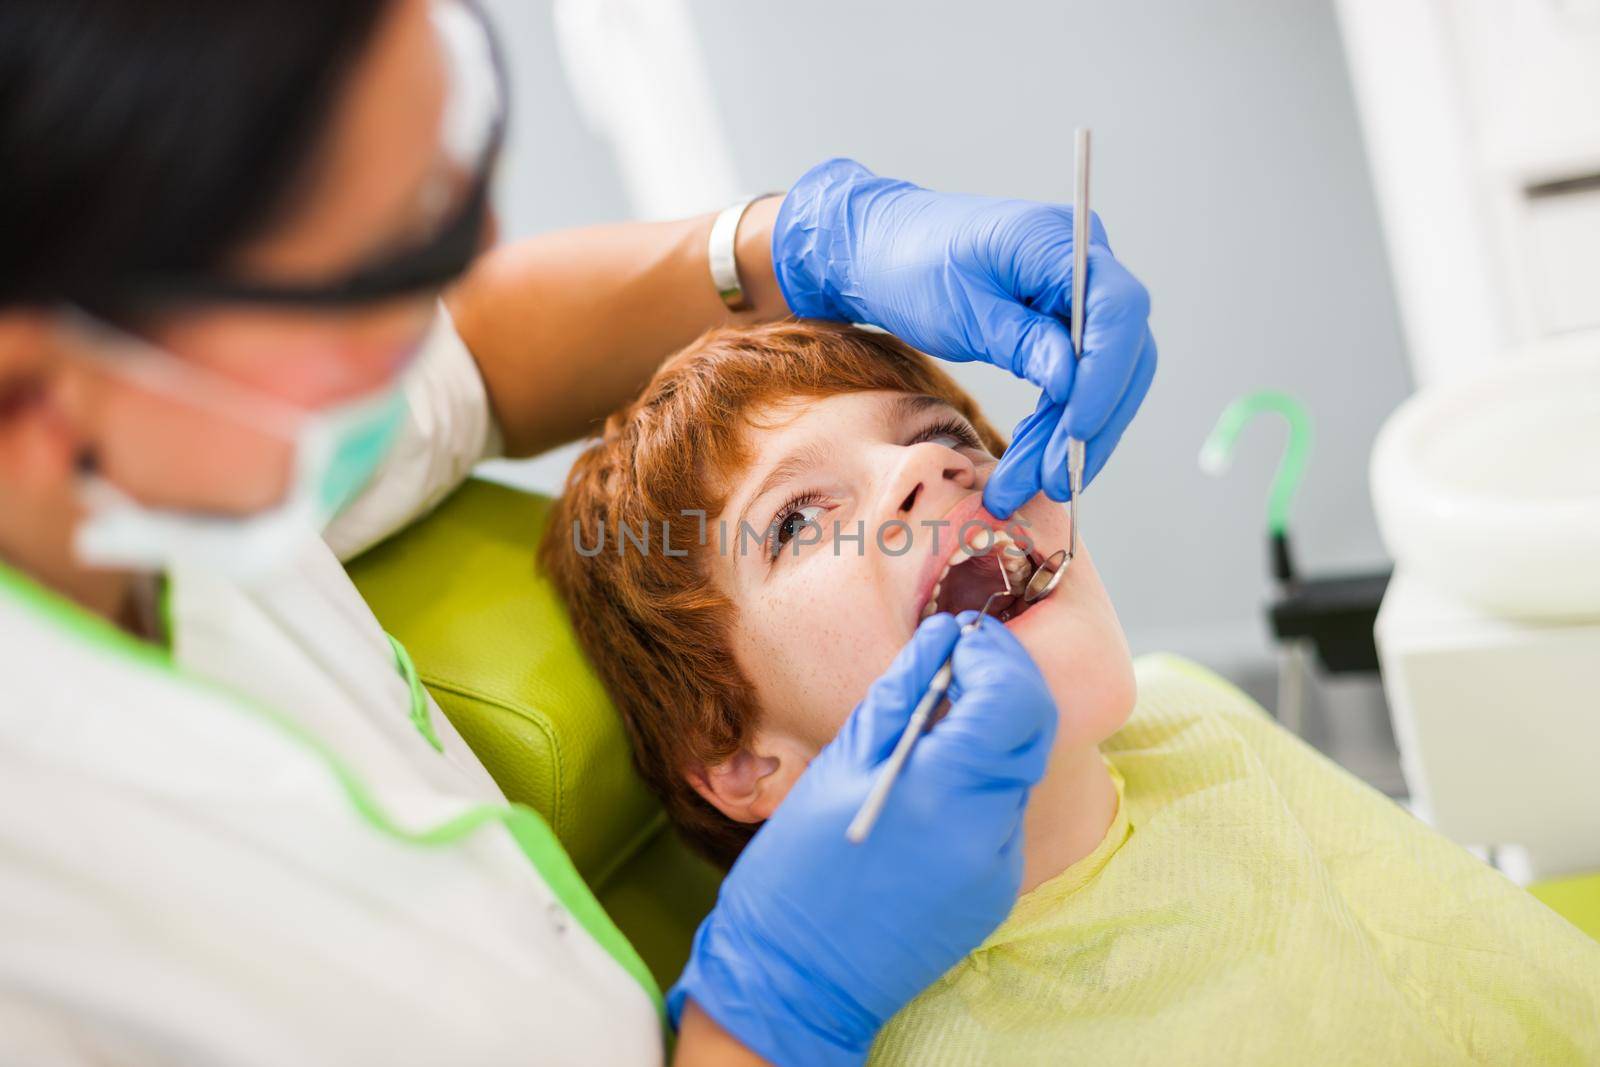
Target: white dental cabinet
(1482, 128)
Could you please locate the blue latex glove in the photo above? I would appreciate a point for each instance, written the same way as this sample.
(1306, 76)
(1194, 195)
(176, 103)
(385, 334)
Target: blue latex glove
(976, 278)
(815, 942)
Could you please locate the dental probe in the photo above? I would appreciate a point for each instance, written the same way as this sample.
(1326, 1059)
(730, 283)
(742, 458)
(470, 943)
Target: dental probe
(1080, 288)
(1044, 580)
(872, 807)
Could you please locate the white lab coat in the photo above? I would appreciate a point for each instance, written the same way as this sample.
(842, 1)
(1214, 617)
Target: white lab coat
(183, 879)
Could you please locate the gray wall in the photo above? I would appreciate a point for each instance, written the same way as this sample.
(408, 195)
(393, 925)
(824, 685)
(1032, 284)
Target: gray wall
(1228, 169)
(555, 172)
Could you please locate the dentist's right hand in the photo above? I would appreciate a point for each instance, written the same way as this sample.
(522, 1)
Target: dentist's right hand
(814, 942)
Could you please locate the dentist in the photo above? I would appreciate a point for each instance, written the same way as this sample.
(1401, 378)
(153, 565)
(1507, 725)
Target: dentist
(230, 830)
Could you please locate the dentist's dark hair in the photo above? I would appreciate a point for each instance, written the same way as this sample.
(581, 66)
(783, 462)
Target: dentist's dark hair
(144, 137)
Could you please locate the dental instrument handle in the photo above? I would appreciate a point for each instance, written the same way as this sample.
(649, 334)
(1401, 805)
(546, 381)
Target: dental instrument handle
(1075, 460)
(1080, 283)
(1044, 580)
(1080, 236)
(872, 807)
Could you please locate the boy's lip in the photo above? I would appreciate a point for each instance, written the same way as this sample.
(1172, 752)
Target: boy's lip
(967, 513)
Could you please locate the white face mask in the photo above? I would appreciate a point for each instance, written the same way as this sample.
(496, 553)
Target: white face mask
(337, 450)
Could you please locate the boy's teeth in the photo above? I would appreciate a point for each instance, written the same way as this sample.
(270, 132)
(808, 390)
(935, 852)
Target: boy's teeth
(1018, 568)
(998, 543)
(979, 545)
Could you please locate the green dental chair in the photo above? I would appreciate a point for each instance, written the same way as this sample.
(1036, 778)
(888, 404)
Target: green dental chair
(491, 641)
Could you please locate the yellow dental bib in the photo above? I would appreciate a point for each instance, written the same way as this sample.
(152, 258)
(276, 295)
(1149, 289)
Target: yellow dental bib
(1254, 903)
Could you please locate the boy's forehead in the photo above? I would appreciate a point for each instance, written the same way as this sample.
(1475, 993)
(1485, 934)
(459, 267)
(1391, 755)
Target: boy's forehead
(772, 423)
(774, 429)
(775, 424)
(780, 436)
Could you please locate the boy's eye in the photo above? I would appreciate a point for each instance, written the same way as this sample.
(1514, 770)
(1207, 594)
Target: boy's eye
(950, 433)
(790, 522)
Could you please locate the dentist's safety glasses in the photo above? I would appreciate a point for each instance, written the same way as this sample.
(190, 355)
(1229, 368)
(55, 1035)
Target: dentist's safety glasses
(450, 219)
(276, 473)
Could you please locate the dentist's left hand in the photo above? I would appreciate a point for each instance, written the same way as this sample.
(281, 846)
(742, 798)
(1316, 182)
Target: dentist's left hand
(976, 278)
(815, 942)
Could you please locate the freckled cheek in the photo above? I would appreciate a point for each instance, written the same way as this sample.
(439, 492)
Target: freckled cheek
(809, 654)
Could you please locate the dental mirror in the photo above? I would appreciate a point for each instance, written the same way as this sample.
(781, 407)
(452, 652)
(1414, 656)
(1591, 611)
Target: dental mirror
(1044, 580)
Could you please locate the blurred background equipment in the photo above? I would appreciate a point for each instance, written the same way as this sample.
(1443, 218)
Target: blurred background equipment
(1482, 123)
(1323, 622)
(1488, 492)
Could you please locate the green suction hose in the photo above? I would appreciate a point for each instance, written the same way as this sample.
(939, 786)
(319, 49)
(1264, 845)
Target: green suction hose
(1217, 453)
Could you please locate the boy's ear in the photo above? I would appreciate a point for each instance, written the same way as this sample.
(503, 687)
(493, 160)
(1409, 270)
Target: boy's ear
(749, 785)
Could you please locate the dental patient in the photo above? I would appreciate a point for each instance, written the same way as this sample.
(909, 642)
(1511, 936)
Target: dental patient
(745, 549)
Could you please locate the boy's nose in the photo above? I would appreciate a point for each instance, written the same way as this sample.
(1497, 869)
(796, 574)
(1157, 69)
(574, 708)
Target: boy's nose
(925, 469)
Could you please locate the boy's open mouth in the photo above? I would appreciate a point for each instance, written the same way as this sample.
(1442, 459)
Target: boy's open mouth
(969, 580)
